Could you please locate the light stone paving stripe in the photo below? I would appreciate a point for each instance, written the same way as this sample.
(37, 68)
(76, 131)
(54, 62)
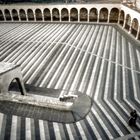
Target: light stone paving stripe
(56, 45)
(61, 58)
(67, 55)
(97, 134)
(88, 68)
(1, 121)
(28, 129)
(53, 66)
(41, 129)
(82, 133)
(14, 128)
(90, 85)
(125, 86)
(82, 65)
(26, 51)
(115, 98)
(57, 131)
(99, 82)
(134, 76)
(102, 123)
(68, 65)
(98, 91)
(69, 132)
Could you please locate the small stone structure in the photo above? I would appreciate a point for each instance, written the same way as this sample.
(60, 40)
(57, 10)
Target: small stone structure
(8, 73)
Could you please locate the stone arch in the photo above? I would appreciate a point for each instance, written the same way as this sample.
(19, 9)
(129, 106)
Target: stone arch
(134, 27)
(128, 22)
(15, 84)
(1, 16)
(22, 15)
(7, 14)
(38, 15)
(47, 14)
(83, 14)
(93, 15)
(15, 15)
(114, 14)
(55, 14)
(30, 14)
(103, 17)
(73, 14)
(64, 14)
(121, 19)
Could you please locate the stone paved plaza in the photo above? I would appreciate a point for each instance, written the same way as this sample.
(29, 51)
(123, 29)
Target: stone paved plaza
(101, 61)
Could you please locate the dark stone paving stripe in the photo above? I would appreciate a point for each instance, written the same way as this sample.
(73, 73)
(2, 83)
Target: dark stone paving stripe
(37, 132)
(98, 126)
(18, 133)
(8, 127)
(65, 131)
(46, 129)
(64, 135)
(22, 128)
(2, 135)
(32, 124)
(90, 130)
(18, 25)
(51, 131)
(85, 129)
(75, 132)
(107, 122)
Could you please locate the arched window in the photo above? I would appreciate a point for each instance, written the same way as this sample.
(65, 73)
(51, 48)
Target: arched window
(15, 15)
(64, 14)
(93, 15)
(22, 15)
(128, 22)
(38, 14)
(1, 16)
(47, 15)
(83, 14)
(30, 14)
(103, 15)
(114, 14)
(135, 26)
(73, 14)
(121, 20)
(7, 14)
(15, 85)
(55, 14)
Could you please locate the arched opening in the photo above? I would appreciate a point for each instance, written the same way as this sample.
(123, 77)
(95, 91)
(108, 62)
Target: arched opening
(7, 14)
(64, 14)
(114, 14)
(103, 15)
(38, 14)
(47, 15)
(30, 14)
(15, 85)
(128, 22)
(135, 26)
(1, 16)
(15, 15)
(83, 14)
(22, 15)
(55, 14)
(121, 20)
(93, 15)
(73, 14)
(139, 36)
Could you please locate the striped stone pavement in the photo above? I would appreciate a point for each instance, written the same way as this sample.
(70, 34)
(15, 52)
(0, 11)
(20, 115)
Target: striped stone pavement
(101, 61)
